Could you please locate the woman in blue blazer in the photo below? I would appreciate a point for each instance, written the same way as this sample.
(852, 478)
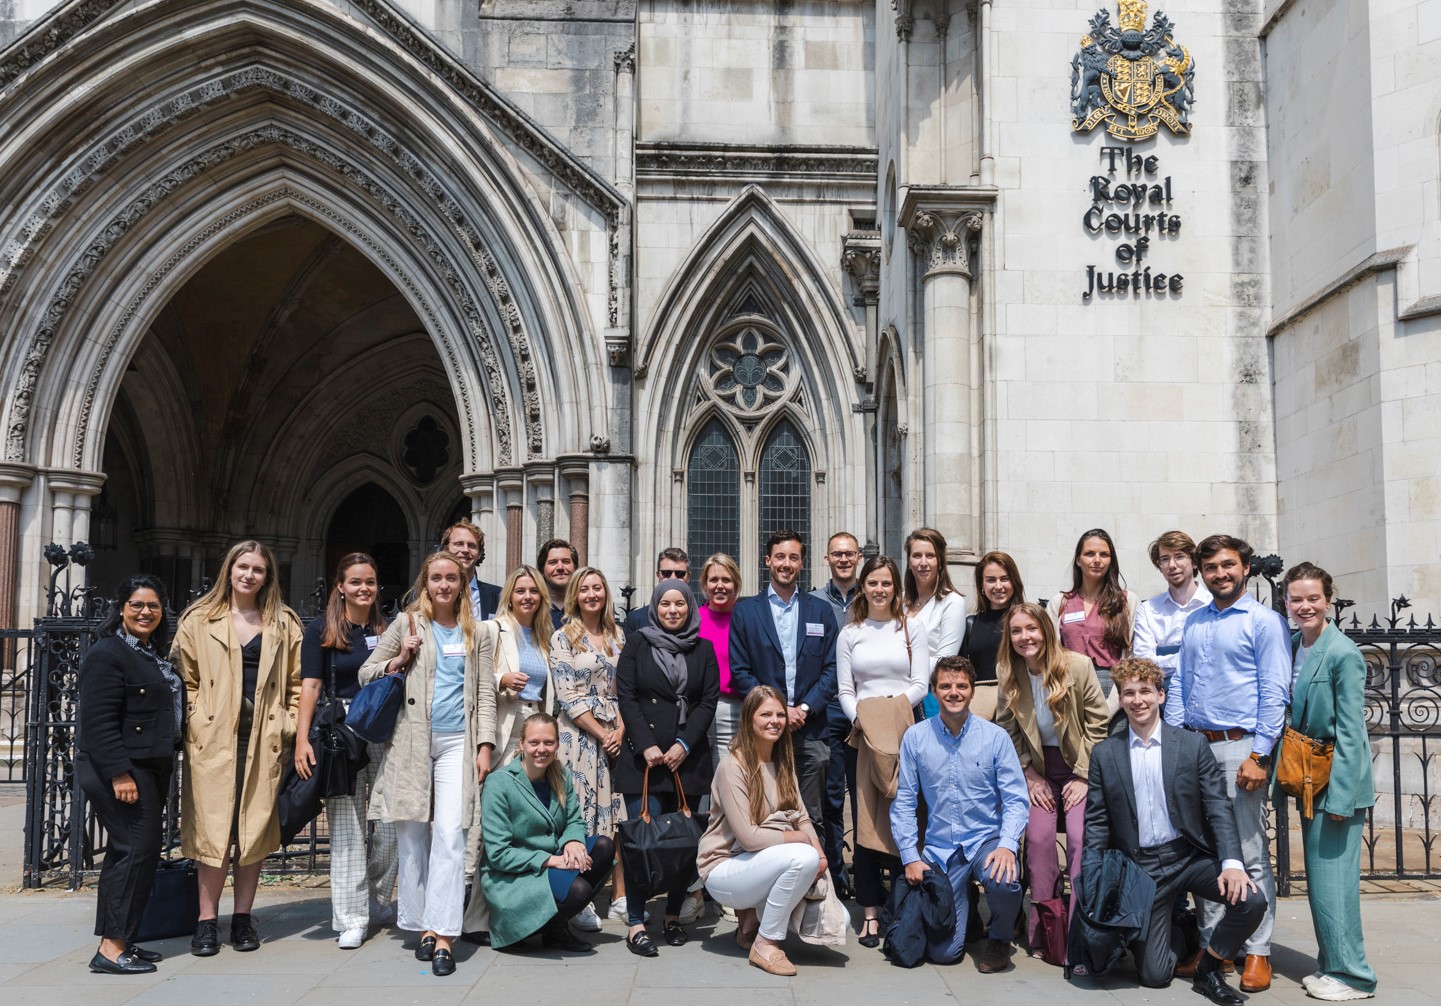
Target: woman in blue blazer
(1328, 702)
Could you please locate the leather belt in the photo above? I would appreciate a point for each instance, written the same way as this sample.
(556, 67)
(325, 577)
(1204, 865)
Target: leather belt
(1233, 734)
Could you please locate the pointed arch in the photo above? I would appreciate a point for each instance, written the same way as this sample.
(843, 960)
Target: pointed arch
(123, 173)
(751, 270)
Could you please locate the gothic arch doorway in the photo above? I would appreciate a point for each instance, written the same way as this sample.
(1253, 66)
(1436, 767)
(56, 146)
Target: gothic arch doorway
(370, 520)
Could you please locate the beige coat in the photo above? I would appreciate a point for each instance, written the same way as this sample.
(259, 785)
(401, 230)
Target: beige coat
(1083, 726)
(881, 722)
(402, 788)
(500, 655)
(206, 652)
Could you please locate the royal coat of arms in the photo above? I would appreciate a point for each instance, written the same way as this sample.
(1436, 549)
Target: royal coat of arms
(1132, 78)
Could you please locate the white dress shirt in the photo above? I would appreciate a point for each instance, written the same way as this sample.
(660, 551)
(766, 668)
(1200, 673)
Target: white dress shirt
(1153, 817)
(1157, 632)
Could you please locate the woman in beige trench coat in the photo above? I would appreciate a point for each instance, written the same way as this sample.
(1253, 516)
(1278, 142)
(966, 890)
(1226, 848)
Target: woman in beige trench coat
(238, 651)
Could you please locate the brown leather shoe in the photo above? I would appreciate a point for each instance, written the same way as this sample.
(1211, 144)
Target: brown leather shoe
(772, 961)
(993, 956)
(1256, 975)
(1186, 968)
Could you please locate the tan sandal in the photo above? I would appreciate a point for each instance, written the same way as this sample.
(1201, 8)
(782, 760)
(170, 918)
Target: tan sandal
(776, 964)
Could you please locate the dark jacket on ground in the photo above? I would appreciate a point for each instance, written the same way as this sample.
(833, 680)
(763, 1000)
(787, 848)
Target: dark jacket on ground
(1112, 909)
(915, 916)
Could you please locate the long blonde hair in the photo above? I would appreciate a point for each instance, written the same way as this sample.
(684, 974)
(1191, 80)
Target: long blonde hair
(574, 627)
(423, 606)
(743, 746)
(555, 771)
(216, 600)
(1011, 667)
(541, 630)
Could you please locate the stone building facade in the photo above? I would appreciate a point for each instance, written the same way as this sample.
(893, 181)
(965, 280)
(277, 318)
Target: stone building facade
(642, 272)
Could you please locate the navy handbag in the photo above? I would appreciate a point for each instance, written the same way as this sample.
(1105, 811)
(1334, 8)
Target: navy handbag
(375, 707)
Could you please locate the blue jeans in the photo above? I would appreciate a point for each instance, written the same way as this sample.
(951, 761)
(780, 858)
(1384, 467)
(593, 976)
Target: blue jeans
(1004, 900)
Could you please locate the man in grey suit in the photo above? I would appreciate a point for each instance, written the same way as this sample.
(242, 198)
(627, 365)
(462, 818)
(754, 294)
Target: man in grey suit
(1157, 794)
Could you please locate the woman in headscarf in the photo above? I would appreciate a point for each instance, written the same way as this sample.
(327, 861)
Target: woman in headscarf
(667, 684)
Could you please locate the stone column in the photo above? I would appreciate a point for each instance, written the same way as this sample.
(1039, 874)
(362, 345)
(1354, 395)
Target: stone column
(510, 491)
(576, 475)
(861, 259)
(70, 494)
(480, 490)
(540, 487)
(14, 480)
(940, 238)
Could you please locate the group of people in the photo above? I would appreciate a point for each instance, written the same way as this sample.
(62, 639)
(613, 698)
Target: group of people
(533, 724)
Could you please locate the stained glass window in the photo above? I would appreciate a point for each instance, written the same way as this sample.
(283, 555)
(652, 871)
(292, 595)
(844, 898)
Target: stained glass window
(713, 495)
(785, 492)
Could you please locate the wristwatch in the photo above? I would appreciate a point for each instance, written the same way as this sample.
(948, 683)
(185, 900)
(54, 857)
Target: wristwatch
(1263, 760)
(804, 708)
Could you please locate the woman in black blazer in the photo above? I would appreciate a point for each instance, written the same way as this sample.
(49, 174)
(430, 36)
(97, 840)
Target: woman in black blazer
(131, 709)
(667, 686)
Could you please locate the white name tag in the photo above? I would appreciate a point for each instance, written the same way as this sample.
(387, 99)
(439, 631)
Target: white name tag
(370, 642)
(1075, 616)
(815, 629)
(453, 650)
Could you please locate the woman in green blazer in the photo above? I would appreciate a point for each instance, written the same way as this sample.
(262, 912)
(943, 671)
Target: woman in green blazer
(539, 869)
(1328, 703)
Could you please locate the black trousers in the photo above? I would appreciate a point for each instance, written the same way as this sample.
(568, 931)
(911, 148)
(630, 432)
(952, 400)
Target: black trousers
(132, 844)
(840, 776)
(813, 758)
(1178, 868)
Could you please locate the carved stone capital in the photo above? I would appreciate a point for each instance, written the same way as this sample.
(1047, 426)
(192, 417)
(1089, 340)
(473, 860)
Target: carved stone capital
(905, 24)
(942, 239)
(617, 346)
(625, 59)
(861, 258)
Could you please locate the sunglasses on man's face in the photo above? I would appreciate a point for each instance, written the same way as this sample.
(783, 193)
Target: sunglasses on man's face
(666, 574)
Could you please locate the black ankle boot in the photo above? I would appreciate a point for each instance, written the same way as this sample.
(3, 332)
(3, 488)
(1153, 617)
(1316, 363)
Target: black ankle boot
(557, 935)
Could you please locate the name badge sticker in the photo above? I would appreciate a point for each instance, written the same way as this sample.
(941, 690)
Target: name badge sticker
(815, 629)
(1075, 616)
(370, 642)
(453, 649)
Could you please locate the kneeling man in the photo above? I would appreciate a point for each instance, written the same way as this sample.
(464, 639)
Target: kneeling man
(1156, 793)
(978, 808)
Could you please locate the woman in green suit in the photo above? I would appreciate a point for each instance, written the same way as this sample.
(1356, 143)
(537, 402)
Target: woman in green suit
(1328, 703)
(539, 868)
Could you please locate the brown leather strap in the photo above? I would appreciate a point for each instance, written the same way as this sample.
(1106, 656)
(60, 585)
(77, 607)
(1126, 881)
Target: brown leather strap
(1233, 734)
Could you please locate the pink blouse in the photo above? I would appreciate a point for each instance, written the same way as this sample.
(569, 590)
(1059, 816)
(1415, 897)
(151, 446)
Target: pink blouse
(1085, 635)
(716, 627)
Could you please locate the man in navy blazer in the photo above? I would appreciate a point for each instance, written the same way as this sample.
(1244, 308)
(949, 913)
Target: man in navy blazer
(785, 638)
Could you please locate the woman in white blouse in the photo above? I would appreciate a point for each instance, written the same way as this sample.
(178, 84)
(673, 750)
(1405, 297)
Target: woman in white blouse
(933, 600)
(882, 669)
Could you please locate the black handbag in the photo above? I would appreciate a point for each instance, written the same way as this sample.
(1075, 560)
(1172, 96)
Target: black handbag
(174, 905)
(659, 853)
(339, 753)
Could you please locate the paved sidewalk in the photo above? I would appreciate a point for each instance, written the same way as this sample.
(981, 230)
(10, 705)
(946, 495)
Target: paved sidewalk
(46, 940)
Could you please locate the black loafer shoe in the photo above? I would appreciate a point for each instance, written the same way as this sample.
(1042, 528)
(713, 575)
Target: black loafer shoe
(1212, 985)
(126, 964)
(442, 964)
(148, 956)
(206, 941)
(426, 950)
(641, 945)
(675, 934)
(557, 935)
(243, 934)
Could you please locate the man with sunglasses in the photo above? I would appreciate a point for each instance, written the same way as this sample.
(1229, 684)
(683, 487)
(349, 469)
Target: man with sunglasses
(672, 563)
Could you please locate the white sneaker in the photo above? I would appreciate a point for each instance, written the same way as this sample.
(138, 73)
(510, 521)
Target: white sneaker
(1306, 982)
(1331, 990)
(586, 920)
(351, 939)
(381, 915)
(619, 912)
(691, 910)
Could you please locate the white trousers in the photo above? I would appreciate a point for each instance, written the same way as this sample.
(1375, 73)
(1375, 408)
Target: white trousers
(356, 877)
(432, 854)
(775, 880)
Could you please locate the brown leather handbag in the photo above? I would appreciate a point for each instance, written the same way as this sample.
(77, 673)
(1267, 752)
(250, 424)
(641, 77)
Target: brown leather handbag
(1304, 767)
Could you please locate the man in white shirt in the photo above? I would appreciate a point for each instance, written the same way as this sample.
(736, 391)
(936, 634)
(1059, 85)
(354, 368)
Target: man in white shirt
(1157, 794)
(1160, 619)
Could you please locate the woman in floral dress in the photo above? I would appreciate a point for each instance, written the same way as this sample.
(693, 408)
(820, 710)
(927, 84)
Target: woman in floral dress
(583, 654)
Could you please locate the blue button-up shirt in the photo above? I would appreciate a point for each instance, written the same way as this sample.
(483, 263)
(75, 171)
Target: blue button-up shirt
(784, 615)
(974, 788)
(1234, 671)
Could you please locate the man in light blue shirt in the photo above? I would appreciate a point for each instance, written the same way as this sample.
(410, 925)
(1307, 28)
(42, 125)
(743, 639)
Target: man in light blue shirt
(1233, 683)
(977, 805)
